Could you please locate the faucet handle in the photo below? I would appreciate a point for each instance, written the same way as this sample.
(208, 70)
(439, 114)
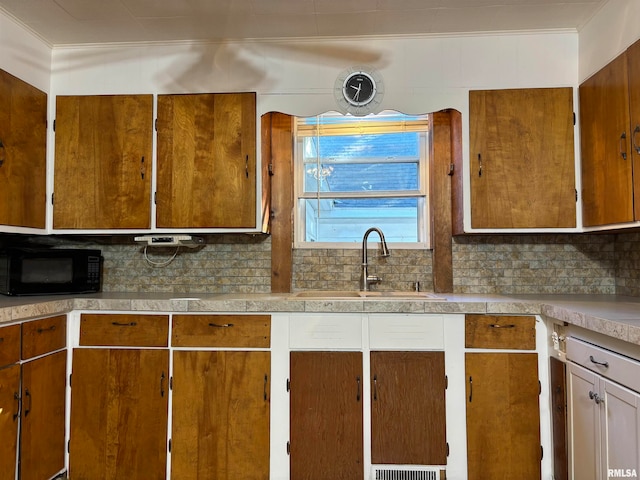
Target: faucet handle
(373, 279)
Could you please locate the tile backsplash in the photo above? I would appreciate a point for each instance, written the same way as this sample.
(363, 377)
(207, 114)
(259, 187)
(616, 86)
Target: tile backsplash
(524, 264)
(483, 264)
(628, 264)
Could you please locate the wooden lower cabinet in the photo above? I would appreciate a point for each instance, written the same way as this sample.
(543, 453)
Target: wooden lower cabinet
(503, 416)
(43, 397)
(408, 408)
(220, 415)
(326, 416)
(119, 413)
(9, 413)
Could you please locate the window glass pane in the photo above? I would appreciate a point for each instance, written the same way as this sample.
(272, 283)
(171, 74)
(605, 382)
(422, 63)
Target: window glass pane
(359, 172)
(340, 148)
(361, 163)
(346, 220)
(361, 177)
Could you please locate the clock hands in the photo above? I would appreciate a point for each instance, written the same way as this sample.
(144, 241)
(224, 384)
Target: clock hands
(357, 89)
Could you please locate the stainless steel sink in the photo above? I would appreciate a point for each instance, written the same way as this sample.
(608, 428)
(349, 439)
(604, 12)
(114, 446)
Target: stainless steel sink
(410, 295)
(373, 295)
(327, 294)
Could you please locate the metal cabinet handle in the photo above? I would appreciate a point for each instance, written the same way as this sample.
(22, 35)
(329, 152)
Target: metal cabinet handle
(633, 139)
(223, 325)
(162, 384)
(266, 381)
(623, 153)
(16, 397)
(358, 390)
(142, 169)
(470, 389)
(375, 387)
(48, 329)
(2, 152)
(596, 398)
(495, 325)
(246, 166)
(593, 360)
(120, 324)
(479, 165)
(28, 395)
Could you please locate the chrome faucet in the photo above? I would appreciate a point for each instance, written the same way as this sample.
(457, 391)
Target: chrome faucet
(365, 278)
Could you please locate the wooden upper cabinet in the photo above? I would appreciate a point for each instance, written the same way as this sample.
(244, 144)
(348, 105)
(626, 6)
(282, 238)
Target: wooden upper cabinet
(607, 183)
(633, 65)
(23, 162)
(522, 163)
(103, 157)
(206, 161)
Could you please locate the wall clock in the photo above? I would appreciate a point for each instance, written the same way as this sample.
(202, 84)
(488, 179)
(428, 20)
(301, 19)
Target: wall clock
(359, 90)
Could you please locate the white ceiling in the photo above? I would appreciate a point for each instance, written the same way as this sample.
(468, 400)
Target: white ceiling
(63, 22)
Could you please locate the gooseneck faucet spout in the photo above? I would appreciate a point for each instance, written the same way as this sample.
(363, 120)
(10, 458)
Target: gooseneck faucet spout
(365, 279)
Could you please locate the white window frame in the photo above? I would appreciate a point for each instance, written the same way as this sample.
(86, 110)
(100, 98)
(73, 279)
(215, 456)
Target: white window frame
(421, 194)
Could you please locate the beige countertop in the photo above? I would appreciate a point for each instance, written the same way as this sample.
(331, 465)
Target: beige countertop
(615, 316)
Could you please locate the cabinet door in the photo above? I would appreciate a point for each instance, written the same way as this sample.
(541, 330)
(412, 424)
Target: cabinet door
(503, 416)
(522, 158)
(9, 412)
(607, 195)
(633, 63)
(207, 161)
(102, 174)
(220, 415)
(326, 420)
(584, 424)
(42, 436)
(621, 427)
(408, 408)
(23, 134)
(119, 414)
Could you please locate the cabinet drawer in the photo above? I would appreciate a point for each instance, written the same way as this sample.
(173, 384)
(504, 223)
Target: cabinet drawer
(43, 336)
(332, 331)
(500, 331)
(126, 330)
(221, 331)
(9, 345)
(406, 332)
(614, 366)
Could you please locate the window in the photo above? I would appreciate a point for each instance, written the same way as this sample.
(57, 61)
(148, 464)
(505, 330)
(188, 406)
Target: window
(353, 173)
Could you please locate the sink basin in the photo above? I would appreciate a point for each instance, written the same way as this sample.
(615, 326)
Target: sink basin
(412, 295)
(328, 295)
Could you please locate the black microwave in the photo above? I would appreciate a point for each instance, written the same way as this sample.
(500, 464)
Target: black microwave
(40, 271)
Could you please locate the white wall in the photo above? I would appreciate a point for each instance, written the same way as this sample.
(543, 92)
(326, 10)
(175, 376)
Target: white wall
(23, 54)
(608, 33)
(421, 74)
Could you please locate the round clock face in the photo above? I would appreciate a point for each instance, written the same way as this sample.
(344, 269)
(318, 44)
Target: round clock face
(358, 90)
